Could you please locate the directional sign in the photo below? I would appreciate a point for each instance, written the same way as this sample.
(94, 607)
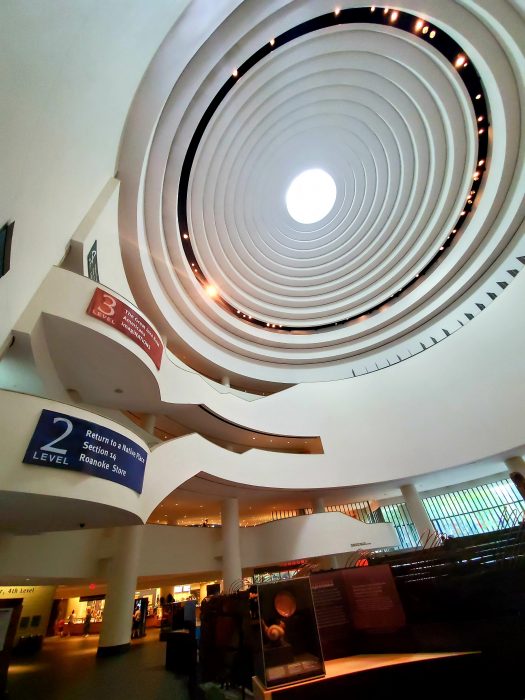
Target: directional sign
(67, 442)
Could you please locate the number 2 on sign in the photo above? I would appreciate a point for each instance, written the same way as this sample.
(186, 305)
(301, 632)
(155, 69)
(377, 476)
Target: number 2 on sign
(49, 446)
(108, 302)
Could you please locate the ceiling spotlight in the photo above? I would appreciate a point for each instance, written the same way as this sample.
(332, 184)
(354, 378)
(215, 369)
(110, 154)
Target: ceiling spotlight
(419, 25)
(463, 213)
(481, 131)
(481, 162)
(425, 29)
(432, 34)
(337, 11)
(394, 16)
(272, 42)
(373, 8)
(211, 291)
(460, 61)
(480, 118)
(478, 96)
(235, 72)
(385, 11)
(442, 247)
(185, 236)
(454, 230)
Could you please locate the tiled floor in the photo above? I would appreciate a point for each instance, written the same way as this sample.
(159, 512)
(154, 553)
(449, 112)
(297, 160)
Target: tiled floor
(67, 669)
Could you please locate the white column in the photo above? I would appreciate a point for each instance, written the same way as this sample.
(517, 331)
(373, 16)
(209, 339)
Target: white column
(516, 467)
(318, 505)
(149, 423)
(417, 511)
(231, 548)
(122, 582)
(515, 464)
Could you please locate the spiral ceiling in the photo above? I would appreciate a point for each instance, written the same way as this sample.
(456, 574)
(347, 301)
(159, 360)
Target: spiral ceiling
(409, 113)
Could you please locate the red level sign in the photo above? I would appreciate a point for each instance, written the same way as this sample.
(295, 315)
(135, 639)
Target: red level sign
(115, 313)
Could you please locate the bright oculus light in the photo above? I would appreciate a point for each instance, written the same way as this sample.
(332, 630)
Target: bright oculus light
(310, 196)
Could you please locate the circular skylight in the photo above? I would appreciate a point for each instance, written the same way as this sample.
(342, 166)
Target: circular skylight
(311, 196)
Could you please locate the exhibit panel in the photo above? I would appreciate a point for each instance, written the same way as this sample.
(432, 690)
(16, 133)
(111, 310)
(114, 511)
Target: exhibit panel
(291, 649)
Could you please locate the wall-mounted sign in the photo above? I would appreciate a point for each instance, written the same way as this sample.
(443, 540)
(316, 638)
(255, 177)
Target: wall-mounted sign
(67, 442)
(92, 263)
(115, 313)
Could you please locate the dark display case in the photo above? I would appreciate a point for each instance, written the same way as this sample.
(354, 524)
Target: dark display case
(290, 646)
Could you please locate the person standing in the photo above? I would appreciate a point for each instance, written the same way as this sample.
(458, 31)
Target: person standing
(87, 622)
(135, 630)
(70, 623)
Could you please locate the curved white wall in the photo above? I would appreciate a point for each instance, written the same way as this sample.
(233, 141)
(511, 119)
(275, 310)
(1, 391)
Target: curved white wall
(455, 404)
(19, 416)
(186, 550)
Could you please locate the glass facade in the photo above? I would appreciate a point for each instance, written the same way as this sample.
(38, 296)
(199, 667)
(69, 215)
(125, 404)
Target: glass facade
(484, 508)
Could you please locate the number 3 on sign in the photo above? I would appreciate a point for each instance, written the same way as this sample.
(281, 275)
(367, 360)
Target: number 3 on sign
(58, 450)
(107, 307)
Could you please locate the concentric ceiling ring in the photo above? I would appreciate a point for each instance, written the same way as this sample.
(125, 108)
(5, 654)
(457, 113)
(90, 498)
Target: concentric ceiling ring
(392, 114)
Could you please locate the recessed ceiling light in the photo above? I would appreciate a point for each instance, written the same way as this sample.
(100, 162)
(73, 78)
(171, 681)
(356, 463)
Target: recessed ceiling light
(311, 196)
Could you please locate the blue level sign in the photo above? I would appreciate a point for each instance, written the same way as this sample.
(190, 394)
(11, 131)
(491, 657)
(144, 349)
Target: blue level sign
(67, 442)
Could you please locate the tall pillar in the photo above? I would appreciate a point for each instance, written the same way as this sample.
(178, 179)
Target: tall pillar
(231, 548)
(149, 423)
(515, 464)
(516, 467)
(417, 511)
(318, 505)
(122, 583)
(165, 591)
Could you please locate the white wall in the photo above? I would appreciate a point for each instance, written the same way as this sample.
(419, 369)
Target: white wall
(68, 75)
(61, 556)
(455, 404)
(309, 536)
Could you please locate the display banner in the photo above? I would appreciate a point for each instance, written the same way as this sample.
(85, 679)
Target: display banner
(92, 263)
(333, 614)
(351, 603)
(373, 598)
(115, 313)
(67, 442)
